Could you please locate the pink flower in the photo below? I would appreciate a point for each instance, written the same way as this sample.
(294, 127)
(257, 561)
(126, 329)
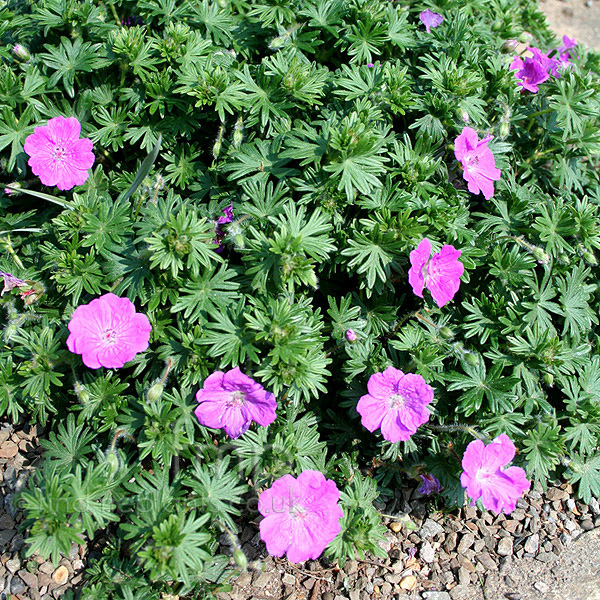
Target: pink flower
(232, 400)
(564, 54)
(57, 155)
(484, 475)
(440, 275)
(477, 160)
(108, 332)
(396, 403)
(301, 516)
(430, 19)
(351, 335)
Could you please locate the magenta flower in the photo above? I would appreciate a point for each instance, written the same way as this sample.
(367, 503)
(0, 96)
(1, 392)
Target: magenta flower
(548, 64)
(440, 275)
(430, 19)
(301, 516)
(396, 403)
(108, 332)
(485, 477)
(530, 73)
(232, 400)
(351, 335)
(564, 54)
(477, 161)
(430, 485)
(57, 155)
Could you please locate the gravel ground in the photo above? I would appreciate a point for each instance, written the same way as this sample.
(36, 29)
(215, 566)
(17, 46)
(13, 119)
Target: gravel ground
(576, 18)
(549, 541)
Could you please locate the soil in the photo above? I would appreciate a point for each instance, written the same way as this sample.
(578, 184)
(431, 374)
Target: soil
(579, 19)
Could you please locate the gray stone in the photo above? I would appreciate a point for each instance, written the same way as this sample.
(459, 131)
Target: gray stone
(466, 542)
(6, 536)
(540, 586)
(386, 588)
(13, 565)
(505, 546)
(487, 561)
(461, 592)
(430, 528)
(17, 586)
(427, 553)
(29, 578)
(532, 544)
(435, 596)
(288, 579)
(587, 525)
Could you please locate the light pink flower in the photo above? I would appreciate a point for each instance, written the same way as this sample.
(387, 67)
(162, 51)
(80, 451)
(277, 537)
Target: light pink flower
(232, 400)
(440, 275)
(108, 332)
(477, 160)
(57, 155)
(396, 403)
(485, 477)
(301, 516)
(430, 19)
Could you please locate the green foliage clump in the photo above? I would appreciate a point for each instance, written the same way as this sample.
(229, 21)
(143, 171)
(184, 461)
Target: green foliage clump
(335, 171)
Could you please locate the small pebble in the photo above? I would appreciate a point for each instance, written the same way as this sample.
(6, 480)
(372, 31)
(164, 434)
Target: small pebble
(396, 526)
(60, 575)
(587, 525)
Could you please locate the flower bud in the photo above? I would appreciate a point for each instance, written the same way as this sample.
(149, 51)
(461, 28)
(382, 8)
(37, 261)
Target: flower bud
(541, 255)
(471, 359)
(590, 258)
(447, 333)
(509, 46)
(21, 52)
(496, 25)
(351, 335)
(504, 128)
(240, 559)
(548, 379)
(238, 133)
(526, 38)
(155, 392)
(113, 461)
(13, 192)
(223, 3)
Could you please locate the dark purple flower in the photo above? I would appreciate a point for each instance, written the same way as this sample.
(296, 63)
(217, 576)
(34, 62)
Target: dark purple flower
(430, 485)
(10, 282)
(226, 217)
(430, 19)
(132, 21)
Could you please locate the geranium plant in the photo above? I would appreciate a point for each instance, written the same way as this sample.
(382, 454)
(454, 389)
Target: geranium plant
(251, 249)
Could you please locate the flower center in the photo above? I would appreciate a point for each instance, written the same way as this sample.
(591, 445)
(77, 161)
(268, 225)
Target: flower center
(298, 513)
(109, 337)
(59, 153)
(396, 400)
(237, 399)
